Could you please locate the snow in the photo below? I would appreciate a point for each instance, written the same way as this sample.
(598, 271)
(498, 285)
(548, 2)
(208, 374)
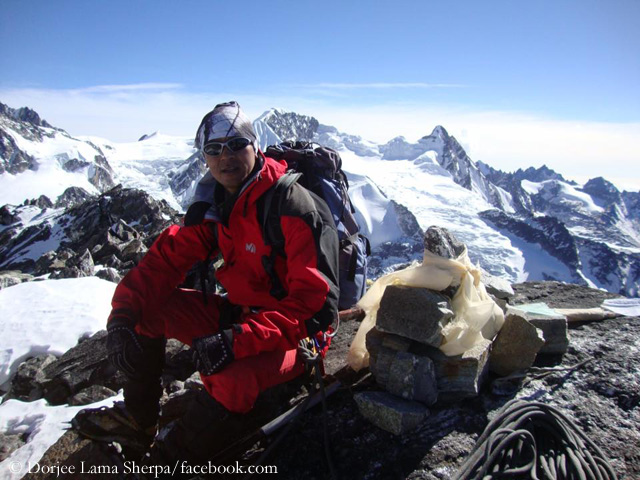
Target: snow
(49, 317)
(146, 164)
(45, 317)
(43, 424)
(434, 198)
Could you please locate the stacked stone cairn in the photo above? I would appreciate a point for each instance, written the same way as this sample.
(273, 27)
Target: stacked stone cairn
(410, 368)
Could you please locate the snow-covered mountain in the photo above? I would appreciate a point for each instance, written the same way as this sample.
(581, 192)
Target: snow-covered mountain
(526, 225)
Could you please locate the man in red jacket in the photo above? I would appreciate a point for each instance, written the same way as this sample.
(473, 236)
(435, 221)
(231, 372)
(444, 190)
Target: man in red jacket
(245, 342)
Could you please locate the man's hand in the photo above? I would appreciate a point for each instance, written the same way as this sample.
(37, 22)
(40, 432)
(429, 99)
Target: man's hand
(213, 352)
(123, 348)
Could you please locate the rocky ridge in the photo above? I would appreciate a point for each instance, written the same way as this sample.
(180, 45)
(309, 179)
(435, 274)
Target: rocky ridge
(594, 382)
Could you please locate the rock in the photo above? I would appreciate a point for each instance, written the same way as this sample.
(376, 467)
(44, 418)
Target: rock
(415, 313)
(9, 444)
(443, 243)
(9, 278)
(178, 361)
(72, 196)
(110, 274)
(515, 347)
(413, 377)
(134, 251)
(27, 384)
(194, 382)
(84, 365)
(82, 454)
(389, 412)
(79, 266)
(7, 217)
(553, 325)
(461, 376)
(91, 394)
(496, 286)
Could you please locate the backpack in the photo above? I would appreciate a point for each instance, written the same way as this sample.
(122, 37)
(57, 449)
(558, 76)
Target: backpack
(319, 170)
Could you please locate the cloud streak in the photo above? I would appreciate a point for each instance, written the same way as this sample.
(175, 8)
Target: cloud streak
(380, 85)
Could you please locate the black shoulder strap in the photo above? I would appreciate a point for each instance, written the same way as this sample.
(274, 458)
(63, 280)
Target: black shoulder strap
(269, 218)
(271, 230)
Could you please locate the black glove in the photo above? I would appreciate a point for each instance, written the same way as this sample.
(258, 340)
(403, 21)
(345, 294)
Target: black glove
(123, 348)
(213, 352)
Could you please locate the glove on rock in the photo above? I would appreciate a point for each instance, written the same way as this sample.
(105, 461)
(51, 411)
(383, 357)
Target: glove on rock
(212, 353)
(123, 348)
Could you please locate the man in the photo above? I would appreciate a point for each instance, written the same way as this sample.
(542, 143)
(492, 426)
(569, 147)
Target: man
(245, 342)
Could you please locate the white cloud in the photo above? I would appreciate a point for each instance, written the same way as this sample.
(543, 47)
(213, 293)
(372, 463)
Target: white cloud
(505, 140)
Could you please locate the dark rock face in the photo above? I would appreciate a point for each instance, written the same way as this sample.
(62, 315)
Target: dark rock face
(114, 229)
(443, 243)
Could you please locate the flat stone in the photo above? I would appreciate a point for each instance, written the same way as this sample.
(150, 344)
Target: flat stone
(553, 325)
(415, 313)
(516, 346)
(389, 412)
(413, 377)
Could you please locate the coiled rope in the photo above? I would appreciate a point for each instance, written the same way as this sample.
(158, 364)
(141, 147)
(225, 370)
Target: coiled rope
(537, 441)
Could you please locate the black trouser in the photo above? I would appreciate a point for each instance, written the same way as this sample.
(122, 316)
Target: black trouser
(142, 393)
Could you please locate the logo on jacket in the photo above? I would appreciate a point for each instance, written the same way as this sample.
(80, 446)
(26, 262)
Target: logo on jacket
(250, 247)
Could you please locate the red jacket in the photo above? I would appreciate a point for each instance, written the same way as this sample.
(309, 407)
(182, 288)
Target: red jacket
(309, 272)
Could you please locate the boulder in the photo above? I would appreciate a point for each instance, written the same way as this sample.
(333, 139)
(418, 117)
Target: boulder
(27, 383)
(412, 377)
(443, 243)
(515, 347)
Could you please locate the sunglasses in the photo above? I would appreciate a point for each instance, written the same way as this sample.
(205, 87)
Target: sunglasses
(235, 144)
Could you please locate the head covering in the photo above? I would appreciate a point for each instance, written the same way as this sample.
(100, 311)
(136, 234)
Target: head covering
(225, 120)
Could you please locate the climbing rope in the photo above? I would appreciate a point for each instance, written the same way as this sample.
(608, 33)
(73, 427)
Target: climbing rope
(537, 441)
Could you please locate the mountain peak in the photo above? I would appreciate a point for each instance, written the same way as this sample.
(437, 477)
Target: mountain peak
(540, 174)
(24, 114)
(290, 125)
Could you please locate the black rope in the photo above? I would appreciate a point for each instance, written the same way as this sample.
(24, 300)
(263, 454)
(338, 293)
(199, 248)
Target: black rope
(537, 441)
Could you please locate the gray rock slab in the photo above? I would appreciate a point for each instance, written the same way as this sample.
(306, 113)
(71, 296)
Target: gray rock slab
(389, 412)
(415, 313)
(461, 376)
(413, 377)
(516, 346)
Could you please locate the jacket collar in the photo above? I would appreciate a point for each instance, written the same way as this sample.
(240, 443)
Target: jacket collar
(257, 184)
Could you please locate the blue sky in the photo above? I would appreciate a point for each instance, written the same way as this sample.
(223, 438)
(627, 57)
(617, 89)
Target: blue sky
(518, 83)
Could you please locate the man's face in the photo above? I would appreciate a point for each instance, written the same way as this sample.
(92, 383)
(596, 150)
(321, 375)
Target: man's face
(230, 169)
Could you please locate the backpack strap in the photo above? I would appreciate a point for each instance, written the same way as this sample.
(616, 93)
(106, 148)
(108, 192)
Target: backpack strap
(272, 230)
(195, 216)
